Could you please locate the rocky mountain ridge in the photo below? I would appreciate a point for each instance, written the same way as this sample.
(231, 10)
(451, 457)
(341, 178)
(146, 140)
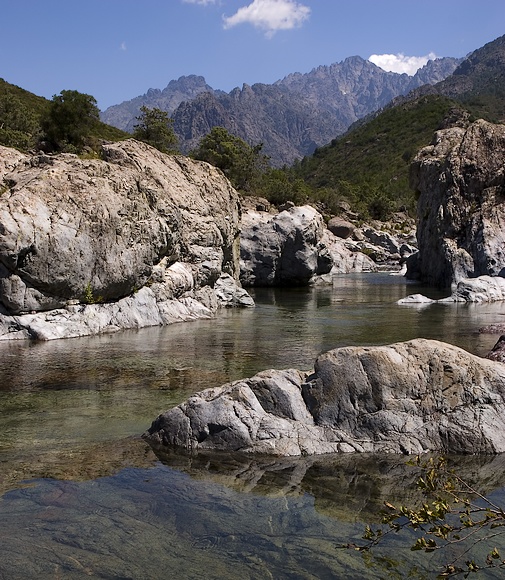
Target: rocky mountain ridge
(478, 82)
(291, 117)
(168, 99)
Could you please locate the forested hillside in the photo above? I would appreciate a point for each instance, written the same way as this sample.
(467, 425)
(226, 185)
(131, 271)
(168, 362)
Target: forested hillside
(69, 122)
(369, 166)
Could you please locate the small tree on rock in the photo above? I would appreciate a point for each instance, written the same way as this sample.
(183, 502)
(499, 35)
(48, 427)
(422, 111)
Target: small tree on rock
(240, 162)
(155, 128)
(70, 120)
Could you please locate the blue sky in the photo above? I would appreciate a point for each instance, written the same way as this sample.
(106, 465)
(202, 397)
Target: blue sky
(116, 50)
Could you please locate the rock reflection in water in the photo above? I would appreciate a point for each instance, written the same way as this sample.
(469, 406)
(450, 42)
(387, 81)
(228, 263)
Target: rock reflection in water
(215, 517)
(349, 487)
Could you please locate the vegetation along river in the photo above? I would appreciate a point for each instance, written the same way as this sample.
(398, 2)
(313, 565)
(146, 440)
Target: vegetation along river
(81, 495)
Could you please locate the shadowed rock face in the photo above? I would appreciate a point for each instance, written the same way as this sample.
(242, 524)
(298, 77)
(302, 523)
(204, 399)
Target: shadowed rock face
(411, 397)
(71, 227)
(461, 210)
(281, 249)
(293, 247)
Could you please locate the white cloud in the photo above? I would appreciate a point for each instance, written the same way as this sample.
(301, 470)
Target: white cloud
(399, 63)
(123, 46)
(270, 15)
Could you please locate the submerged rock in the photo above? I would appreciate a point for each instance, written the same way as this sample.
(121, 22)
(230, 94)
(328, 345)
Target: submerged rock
(412, 397)
(416, 299)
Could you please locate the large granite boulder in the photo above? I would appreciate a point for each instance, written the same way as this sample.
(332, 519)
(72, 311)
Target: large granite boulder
(91, 231)
(281, 249)
(412, 397)
(293, 247)
(68, 224)
(460, 179)
(340, 227)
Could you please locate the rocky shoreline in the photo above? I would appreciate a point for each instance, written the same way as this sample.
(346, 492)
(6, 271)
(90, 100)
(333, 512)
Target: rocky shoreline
(415, 397)
(139, 238)
(134, 239)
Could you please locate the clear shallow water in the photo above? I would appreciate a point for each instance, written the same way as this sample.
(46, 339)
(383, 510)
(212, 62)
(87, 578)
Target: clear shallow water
(90, 498)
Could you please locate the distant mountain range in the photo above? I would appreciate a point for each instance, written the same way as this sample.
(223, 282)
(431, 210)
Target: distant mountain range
(291, 117)
(478, 82)
(370, 162)
(366, 164)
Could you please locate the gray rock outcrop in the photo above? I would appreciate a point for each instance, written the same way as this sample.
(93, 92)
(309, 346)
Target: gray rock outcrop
(384, 249)
(413, 397)
(9, 158)
(475, 290)
(157, 305)
(481, 289)
(292, 248)
(461, 212)
(98, 231)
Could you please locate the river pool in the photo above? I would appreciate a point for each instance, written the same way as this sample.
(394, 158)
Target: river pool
(83, 496)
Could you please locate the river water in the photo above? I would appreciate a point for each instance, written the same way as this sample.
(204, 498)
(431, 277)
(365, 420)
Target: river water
(83, 496)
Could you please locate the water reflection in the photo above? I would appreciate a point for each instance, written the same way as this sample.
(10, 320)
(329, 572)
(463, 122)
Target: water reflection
(90, 497)
(216, 518)
(57, 396)
(348, 487)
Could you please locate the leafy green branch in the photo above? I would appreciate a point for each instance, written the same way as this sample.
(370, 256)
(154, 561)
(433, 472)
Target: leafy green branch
(88, 296)
(454, 514)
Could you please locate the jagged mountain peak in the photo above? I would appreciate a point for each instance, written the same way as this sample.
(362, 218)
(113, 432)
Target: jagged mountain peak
(188, 83)
(291, 117)
(185, 88)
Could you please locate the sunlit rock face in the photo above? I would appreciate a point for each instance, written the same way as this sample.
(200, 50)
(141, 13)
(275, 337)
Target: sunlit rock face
(460, 178)
(79, 231)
